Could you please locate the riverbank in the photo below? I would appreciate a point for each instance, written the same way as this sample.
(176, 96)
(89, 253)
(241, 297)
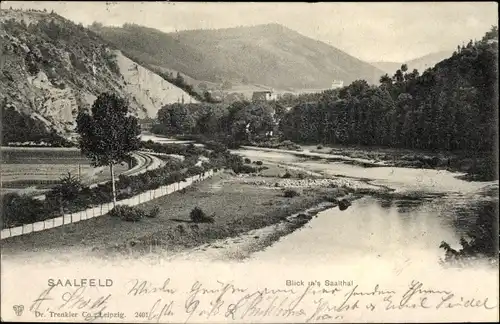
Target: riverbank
(250, 209)
(238, 204)
(478, 167)
(475, 166)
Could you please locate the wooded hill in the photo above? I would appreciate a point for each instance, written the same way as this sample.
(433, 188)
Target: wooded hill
(452, 106)
(270, 54)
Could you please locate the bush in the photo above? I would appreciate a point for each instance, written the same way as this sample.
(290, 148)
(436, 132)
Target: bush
(319, 147)
(20, 209)
(248, 161)
(154, 212)
(287, 175)
(290, 193)
(197, 215)
(259, 163)
(127, 213)
(67, 189)
(244, 168)
(194, 170)
(481, 240)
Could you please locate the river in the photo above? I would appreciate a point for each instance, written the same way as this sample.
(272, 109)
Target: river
(432, 206)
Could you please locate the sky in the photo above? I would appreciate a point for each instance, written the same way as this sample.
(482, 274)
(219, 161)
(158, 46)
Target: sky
(380, 31)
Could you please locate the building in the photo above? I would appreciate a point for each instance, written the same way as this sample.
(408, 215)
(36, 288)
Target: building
(263, 96)
(337, 84)
(146, 123)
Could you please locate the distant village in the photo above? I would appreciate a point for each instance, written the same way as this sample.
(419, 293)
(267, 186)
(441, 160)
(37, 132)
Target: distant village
(269, 95)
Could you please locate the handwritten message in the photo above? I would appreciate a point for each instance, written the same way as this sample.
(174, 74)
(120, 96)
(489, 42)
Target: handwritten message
(311, 302)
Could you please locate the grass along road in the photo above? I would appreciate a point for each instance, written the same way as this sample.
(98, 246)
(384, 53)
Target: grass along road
(238, 203)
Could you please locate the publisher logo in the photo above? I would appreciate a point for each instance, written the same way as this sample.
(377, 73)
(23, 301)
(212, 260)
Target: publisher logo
(18, 309)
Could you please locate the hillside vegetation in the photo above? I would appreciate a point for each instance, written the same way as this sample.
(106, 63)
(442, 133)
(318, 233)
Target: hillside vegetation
(156, 49)
(52, 67)
(451, 107)
(270, 55)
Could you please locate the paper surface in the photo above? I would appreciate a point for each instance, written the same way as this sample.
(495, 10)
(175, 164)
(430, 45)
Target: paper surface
(277, 250)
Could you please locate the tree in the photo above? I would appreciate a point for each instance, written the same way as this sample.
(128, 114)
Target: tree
(66, 191)
(385, 80)
(207, 96)
(176, 118)
(109, 134)
(179, 80)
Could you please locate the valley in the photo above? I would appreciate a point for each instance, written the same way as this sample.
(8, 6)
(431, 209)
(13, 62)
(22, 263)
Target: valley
(308, 145)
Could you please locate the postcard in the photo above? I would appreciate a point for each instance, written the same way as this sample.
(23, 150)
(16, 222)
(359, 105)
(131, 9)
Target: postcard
(204, 162)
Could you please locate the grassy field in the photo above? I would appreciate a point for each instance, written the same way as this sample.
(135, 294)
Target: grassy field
(249, 202)
(43, 167)
(27, 155)
(27, 175)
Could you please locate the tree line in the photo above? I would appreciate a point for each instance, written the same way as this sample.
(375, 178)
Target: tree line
(240, 121)
(451, 106)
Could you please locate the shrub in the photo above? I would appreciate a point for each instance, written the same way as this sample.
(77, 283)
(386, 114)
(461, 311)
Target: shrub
(197, 215)
(67, 189)
(287, 175)
(194, 170)
(290, 193)
(259, 163)
(21, 209)
(154, 212)
(319, 147)
(127, 213)
(302, 175)
(238, 168)
(480, 240)
(248, 161)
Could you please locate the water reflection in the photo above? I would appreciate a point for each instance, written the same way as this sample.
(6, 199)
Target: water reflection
(165, 140)
(367, 230)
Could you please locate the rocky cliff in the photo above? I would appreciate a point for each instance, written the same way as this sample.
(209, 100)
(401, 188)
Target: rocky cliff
(51, 68)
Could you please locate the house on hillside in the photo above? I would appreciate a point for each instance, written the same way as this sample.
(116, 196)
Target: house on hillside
(146, 124)
(263, 96)
(337, 84)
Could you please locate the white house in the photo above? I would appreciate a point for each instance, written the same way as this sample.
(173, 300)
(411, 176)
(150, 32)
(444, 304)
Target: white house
(337, 84)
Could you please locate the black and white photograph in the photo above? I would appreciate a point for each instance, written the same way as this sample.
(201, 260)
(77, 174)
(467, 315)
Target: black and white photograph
(249, 162)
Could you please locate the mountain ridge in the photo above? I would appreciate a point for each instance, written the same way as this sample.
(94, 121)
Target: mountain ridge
(269, 54)
(421, 63)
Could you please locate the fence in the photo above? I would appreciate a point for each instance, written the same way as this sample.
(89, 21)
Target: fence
(104, 208)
